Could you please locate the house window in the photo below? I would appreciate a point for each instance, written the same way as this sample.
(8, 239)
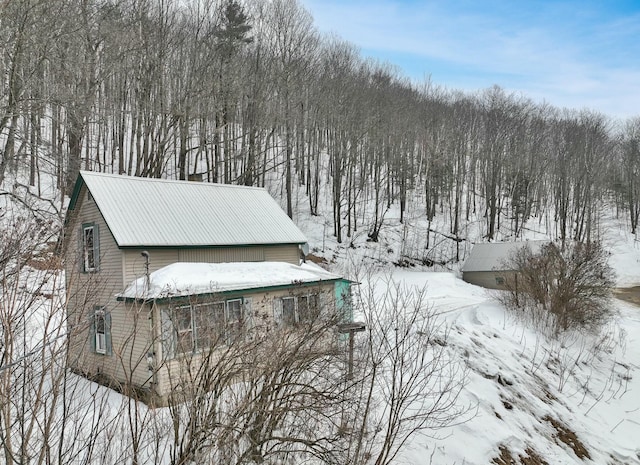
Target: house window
(101, 331)
(101, 339)
(289, 310)
(184, 329)
(293, 310)
(90, 247)
(499, 280)
(234, 319)
(209, 324)
(308, 308)
(200, 326)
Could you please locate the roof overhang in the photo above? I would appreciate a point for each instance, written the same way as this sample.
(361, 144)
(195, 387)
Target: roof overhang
(192, 279)
(227, 293)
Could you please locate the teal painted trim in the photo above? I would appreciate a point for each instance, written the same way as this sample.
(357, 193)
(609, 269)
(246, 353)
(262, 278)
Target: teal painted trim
(239, 292)
(344, 304)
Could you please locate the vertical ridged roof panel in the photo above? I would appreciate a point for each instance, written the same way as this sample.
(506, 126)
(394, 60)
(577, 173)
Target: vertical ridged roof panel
(162, 213)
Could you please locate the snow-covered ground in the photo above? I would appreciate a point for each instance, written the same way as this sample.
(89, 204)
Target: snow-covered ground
(522, 384)
(530, 394)
(576, 400)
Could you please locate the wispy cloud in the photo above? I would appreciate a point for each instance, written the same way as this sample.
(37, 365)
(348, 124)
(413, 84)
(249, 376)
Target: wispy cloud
(570, 53)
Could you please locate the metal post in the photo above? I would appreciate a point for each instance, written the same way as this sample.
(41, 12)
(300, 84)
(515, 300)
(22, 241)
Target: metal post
(145, 254)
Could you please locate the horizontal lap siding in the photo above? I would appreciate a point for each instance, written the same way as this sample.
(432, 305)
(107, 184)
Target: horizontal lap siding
(223, 255)
(129, 342)
(109, 273)
(131, 334)
(134, 263)
(130, 326)
(269, 253)
(87, 290)
(283, 253)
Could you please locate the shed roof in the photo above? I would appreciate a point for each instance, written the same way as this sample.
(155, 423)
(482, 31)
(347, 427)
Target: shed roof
(162, 213)
(189, 279)
(492, 256)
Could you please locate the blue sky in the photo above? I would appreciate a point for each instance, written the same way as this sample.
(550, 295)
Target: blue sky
(575, 54)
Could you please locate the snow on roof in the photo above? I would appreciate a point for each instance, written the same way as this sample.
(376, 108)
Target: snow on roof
(492, 255)
(184, 279)
(156, 212)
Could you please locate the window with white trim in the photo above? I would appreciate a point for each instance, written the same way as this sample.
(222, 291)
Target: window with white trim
(289, 310)
(90, 247)
(101, 331)
(308, 308)
(234, 317)
(184, 329)
(209, 324)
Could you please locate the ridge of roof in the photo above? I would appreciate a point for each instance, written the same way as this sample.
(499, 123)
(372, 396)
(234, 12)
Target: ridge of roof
(84, 173)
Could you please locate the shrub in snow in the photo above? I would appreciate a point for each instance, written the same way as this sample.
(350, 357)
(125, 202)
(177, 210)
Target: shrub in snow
(561, 288)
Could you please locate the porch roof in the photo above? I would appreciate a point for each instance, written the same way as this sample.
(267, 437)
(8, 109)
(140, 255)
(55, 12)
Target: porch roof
(187, 279)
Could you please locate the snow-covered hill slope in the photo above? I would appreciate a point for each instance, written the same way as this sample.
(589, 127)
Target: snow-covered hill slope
(538, 400)
(559, 402)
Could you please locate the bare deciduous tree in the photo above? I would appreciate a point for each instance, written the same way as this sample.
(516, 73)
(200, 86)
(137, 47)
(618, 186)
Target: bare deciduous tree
(559, 289)
(408, 380)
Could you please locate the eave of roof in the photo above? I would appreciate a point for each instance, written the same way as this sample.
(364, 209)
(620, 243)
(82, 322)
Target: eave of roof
(237, 292)
(185, 280)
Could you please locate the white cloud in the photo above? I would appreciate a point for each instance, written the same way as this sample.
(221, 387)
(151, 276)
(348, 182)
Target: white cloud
(568, 57)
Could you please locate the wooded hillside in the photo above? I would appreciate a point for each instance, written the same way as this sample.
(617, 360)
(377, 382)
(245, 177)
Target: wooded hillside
(249, 93)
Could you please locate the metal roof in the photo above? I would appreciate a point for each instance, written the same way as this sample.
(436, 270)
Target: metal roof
(162, 213)
(492, 255)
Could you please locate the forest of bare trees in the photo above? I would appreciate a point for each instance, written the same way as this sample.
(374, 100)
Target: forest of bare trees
(250, 93)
